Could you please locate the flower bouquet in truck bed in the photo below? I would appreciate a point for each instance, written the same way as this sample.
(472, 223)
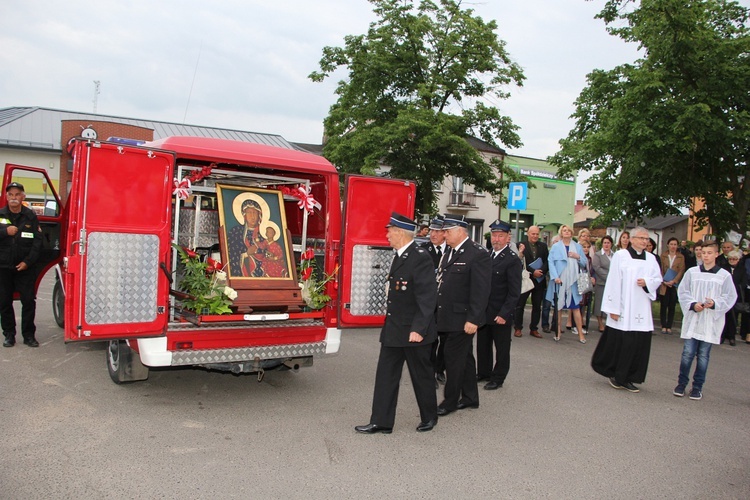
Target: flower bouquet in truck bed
(205, 284)
(312, 284)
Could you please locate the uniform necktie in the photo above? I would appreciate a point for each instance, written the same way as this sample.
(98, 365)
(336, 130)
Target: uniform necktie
(439, 252)
(441, 267)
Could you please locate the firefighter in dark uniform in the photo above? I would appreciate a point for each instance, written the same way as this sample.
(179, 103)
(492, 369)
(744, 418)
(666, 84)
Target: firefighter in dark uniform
(463, 292)
(20, 246)
(437, 247)
(408, 333)
(504, 292)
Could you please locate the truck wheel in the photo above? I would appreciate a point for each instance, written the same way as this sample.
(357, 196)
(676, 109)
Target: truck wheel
(58, 304)
(124, 364)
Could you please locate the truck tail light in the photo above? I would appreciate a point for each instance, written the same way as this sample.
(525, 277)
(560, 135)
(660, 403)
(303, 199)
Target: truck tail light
(180, 346)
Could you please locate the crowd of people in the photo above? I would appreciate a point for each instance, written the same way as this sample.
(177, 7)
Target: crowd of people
(476, 292)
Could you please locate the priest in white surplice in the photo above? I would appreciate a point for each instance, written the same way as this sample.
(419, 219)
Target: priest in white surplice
(625, 346)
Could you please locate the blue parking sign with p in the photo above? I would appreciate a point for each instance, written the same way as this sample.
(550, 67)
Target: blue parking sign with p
(517, 192)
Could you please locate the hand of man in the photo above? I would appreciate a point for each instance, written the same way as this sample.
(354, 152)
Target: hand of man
(415, 337)
(12, 230)
(470, 328)
(538, 273)
(499, 320)
(22, 267)
(615, 317)
(640, 282)
(698, 307)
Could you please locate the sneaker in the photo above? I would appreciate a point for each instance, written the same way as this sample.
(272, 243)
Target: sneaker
(696, 394)
(574, 330)
(679, 391)
(614, 383)
(630, 387)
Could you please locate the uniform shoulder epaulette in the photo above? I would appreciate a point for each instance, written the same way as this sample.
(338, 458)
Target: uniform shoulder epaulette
(421, 250)
(477, 245)
(514, 254)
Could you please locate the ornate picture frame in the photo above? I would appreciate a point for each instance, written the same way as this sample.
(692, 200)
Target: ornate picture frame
(254, 240)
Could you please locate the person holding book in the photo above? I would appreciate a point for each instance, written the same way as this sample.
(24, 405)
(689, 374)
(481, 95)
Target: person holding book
(535, 256)
(672, 268)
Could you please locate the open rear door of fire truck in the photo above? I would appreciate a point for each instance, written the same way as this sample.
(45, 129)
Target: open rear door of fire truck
(366, 256)
(118, 242)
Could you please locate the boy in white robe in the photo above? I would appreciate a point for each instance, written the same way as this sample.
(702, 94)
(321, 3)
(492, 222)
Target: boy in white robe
(706, 293)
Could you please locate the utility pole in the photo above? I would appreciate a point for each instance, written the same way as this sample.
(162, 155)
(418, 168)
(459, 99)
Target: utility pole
(97, 84)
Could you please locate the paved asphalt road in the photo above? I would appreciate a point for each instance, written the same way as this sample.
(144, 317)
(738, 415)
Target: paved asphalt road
(556, 430)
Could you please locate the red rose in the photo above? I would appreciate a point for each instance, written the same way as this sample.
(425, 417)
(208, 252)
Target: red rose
(308, 255)
(306, 273)
(190, 253)
(213, 265)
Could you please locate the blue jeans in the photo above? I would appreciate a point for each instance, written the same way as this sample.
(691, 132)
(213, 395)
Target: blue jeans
(694, 348)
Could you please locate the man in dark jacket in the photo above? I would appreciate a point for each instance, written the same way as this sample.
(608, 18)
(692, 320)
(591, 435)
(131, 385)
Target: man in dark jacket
(504, 293)
(20, 246)
(535, 253)
(436, 247)
(463, 292)
(408, 333)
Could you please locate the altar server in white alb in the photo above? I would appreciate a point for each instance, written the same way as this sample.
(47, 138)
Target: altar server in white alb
(706, 294)
(625, 346)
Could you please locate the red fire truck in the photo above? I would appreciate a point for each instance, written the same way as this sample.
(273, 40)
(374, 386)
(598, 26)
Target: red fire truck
(113, 245)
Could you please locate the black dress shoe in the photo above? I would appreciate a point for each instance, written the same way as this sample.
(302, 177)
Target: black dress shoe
(426, 426)
(444, 411)
(372, 429)
(463, 406)
(492, 386)
(732, 342)
(440, 377)
(482, 377)
(31, 342)
(9, 343)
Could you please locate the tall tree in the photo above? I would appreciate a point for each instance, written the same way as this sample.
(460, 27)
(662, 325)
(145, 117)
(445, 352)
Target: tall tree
(416, 89)
(674, 125)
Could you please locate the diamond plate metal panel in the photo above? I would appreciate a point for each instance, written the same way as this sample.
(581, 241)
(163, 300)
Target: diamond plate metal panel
(369, 271)
(247, 353)
(208, 228)
(121, 278)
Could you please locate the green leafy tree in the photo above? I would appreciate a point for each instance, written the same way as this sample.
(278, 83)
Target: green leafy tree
(674, 125)
(418, 85)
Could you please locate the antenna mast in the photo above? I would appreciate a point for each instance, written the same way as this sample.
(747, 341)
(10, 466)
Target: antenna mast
(97, 84)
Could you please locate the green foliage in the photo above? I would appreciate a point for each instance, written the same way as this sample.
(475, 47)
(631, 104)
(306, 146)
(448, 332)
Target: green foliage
(674, 125)
(206, 295)
(416, 63)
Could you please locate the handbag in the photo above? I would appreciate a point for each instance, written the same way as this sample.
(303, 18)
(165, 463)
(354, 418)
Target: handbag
(741, 306)
(584, 282)
(526, 282)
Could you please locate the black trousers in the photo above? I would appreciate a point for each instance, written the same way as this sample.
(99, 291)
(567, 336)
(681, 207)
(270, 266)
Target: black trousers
(22, 282)
(460, 371)
(437, 356)
(388, 378)
(730, 326)
(500, 337)
(537, 298)
(668, 302)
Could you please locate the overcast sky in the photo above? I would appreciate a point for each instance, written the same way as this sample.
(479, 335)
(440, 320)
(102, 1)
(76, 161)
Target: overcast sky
(243, 64)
